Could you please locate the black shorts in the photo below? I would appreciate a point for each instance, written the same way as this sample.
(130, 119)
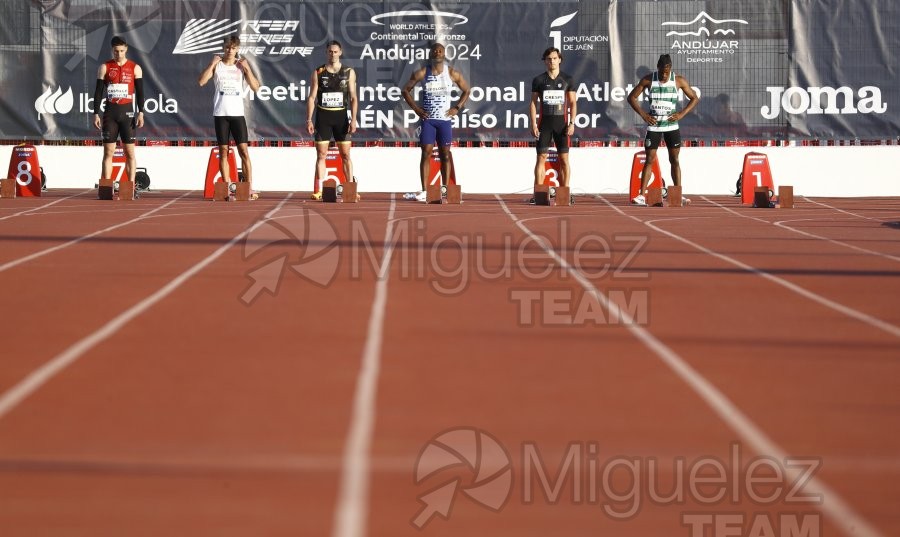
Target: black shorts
(332, 124)
(118, 121)
(228, 127)
(553, 129)
(672, 138)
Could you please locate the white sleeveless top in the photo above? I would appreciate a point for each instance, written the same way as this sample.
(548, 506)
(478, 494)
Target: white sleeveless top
(437, 93)
(229, 99)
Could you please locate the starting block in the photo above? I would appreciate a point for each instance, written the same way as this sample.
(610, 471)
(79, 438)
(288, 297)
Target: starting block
(755, 173)
(106, 189)
(637, 168)
(242, 191)
(433, 193)
(329, 191)
(674, 197)
(7, 188)
(654, 197)
(24, 171)
(213, 177)
(220, 191)
(126, 191)
(349, 193)
(786, 197)
(563, 196)
(542, 194)
(762, 197)
(454, 194)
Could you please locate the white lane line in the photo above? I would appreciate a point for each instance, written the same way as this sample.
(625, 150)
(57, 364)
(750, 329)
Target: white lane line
(833, 506)
(42, 207)
(864, 217)
(352, 508)
(874, 322)
(40, 376)
(31, 257)
(784, 225)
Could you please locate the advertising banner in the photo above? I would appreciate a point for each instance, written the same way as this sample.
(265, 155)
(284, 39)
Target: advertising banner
(765, 69)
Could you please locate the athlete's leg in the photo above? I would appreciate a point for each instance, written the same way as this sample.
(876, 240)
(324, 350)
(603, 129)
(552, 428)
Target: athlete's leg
(446, 163)
(344, 150)
(106, 164)
(130, 161)
(224, 167)
(675, 164)
(564, 169)
(246, 166)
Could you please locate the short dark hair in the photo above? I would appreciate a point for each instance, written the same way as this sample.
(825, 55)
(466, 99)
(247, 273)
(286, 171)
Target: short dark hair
(232, 41)
(435, 45)
(664, 59)
(334, 42)
(117, 41)
(550, 51)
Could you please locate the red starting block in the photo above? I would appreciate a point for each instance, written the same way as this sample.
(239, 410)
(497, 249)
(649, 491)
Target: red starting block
(637, 167)
(551, 169)
(25, 171)
(334, 170)
(214, 176)
(435, 170)
(755, 173)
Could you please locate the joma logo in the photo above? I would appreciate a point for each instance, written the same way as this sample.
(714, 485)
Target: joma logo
(825, 100)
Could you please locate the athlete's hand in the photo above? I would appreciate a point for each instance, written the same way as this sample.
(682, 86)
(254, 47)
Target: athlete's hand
(310, 127)
(215, 60)
(422, 113)
(352, 127)
(675, 117)
(139, 120)
(649, 119)
(97, 124)
(535, 131)
(243, 66)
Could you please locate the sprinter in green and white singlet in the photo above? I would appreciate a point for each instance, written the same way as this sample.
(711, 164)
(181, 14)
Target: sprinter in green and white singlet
(662, 87)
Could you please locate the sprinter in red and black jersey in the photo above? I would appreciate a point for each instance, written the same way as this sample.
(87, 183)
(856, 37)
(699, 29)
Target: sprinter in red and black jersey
(120, 82)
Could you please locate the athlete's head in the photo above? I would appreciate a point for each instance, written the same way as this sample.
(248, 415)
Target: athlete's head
(333, 50)
(119, 48)
(550, 51)
(436, 52)
(232, 41)
(664, 66)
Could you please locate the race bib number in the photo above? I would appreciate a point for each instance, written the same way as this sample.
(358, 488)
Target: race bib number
(333, 99)
(436, 88)
(661, 109)
(231, 87)
(117, 91)
(554, 97)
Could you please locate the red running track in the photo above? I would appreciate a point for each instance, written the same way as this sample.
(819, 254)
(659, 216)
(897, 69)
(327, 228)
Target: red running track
(175, 366)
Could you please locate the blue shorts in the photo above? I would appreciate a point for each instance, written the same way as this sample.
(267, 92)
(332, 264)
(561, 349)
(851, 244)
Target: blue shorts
(436, 130)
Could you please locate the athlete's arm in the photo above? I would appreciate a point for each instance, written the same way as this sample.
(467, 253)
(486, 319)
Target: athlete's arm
(354, 102)
(457, 77)
(207, 73)
(633, 100)
(98, 94)
(252, 81)
(572, 101)
(532, 113)
(139, 95)
(682, 84)
(311, 102)
(416, 77)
